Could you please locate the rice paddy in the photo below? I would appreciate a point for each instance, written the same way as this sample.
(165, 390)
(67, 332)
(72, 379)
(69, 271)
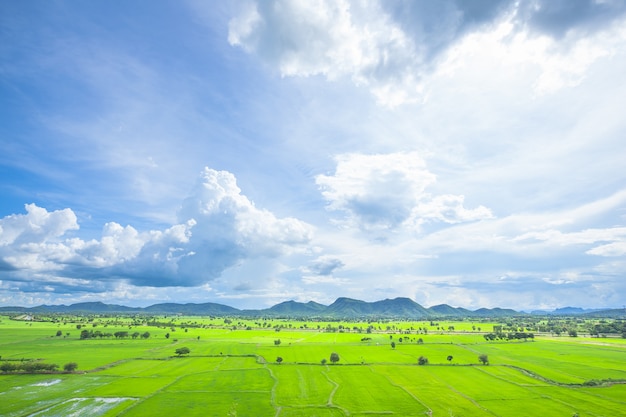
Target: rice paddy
(234, 371)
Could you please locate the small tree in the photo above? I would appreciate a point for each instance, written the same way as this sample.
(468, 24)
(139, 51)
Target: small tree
(279, 360)
(70, 367)
(334, 357)
(277, 342)
(59, 333)
(183, 351)
(422, 360)
(393, 345)
(483, 358)
(449, 358)
(7, 367)
(324, 361)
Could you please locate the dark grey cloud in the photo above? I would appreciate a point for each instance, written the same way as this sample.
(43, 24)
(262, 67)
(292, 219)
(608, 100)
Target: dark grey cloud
(325, 266)
(5, 266)
(557, 17)
(243, 287)
(435, 25)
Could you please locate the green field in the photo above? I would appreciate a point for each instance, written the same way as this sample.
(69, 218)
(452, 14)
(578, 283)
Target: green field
(232, 370)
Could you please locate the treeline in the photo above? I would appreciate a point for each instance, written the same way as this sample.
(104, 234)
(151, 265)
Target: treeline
(91, 334)
(604, 327)
(509, 336)
(34, 367)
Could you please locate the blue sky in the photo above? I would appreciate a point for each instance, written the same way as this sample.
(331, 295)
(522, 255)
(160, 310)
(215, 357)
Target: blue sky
(248, 153)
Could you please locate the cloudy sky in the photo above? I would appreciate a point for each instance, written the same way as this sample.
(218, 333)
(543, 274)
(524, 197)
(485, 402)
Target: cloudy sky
(246, 153)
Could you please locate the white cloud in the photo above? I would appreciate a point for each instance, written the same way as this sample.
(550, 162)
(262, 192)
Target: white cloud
(219, 227)
(222, 213)
(587, 236)
(610, 249)
(365, 43)
(37, 225)
(332, 38)
(386, 191)
(547, 63)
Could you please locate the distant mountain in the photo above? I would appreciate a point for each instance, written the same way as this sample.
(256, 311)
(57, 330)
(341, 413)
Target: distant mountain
(295, 309)
(398, 307)
(444, 310)
(567, 311)
(348, 307)
(342, 308)
(447, 311)
(88, 307)
(612, 313)
(495, 312)
(205, 309)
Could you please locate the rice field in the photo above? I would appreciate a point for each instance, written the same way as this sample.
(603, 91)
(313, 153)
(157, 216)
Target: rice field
(236, 373)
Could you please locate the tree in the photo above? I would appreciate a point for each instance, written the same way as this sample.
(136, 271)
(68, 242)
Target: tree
(279, 360)
(277, 342)
(70, 367)
(145, 335)
(483, 358)
(334, 357)
(422, 360)
(324, 361)
(182, 351)
(167, 335)
(449, 358)
(7, 367)
(393, 345)
(59, 333)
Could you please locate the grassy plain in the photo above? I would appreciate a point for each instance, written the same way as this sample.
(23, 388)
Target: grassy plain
(232, 370)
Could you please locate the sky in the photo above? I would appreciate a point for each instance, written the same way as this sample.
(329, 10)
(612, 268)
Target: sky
(251, 152)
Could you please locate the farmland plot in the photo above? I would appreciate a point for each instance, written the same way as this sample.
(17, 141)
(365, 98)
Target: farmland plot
(236, 373)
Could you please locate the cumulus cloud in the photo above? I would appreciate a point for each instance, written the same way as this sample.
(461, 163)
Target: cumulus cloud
(334, 39)
(389, 47)
(386, 191)
(218, 228)
(37, 225)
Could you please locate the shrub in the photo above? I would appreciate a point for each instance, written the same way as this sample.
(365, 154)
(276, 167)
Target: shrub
(70, 367)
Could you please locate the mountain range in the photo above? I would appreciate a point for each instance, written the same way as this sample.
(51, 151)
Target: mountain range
(343, 307)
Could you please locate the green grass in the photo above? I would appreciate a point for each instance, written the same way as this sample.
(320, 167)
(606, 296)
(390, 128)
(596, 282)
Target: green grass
(234, 372)
(302, 386)
(375, 396)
